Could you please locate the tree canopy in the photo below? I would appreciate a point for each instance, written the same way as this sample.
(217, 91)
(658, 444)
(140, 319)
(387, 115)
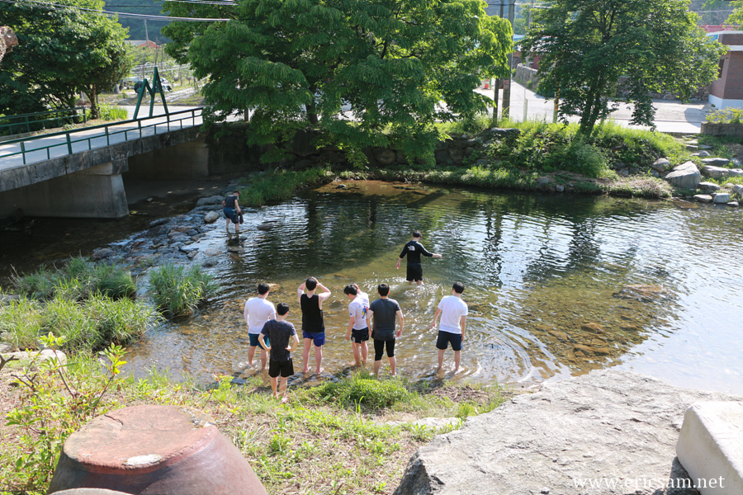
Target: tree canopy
(361, 72)
(586, 45)
(62, 52)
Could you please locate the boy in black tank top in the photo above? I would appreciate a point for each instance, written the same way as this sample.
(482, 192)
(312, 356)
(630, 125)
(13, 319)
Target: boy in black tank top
(313, 323)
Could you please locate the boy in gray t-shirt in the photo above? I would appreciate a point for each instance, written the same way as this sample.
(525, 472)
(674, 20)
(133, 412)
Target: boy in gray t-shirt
(383, 312)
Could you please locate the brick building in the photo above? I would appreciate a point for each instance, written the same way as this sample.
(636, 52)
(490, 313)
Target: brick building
(727, 90)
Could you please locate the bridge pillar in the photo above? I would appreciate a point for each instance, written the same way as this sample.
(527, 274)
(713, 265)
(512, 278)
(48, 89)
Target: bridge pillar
(95, 192)
(186, 160)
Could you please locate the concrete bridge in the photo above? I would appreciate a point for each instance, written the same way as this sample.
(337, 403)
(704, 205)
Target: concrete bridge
(79, 173)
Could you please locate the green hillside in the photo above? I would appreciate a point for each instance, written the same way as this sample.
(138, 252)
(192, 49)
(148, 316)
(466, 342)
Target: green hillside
(137, 26)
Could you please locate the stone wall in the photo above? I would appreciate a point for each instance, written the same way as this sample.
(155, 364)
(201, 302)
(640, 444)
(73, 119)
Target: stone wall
(525, 75)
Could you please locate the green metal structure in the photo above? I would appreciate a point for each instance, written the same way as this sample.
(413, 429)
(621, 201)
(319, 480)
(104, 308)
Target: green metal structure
(157, 87)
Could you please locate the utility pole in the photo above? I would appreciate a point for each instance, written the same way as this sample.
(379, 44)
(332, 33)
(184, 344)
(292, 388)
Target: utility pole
(146, 34)
(507, 81)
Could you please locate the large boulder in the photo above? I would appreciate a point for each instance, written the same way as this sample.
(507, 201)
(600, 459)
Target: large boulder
(685, 176)
(609, 426)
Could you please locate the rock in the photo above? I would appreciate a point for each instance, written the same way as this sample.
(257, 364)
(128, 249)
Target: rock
(543, 181)
(606, 425)
(644, 293)
(210, 262)
(592, 327)
(704, 147)
(211, 200)
(457, 155)
(265, 226)
(715, 162)
(192, 254)
(734, 204)
(624, 172)
(655, 173)
(341, 186)
(559, 188)
(703, 154)
(720, 198)
(703, 198)
(562, 336)
(102, 254)
(685, 176)
(188, 249)
(192, 233)
(720, 172)
(212, 252)
(709, 446)
(738, 189)
(735, 162)
(274, 287)
(661, 164)
(211, 217)
(499, 133)
(385, 156)
(708, 187)
(6, 298)
(159, 221)
(5, 348)
(39, 356)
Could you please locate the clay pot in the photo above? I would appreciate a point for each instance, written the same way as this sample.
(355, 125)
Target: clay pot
(154, 450)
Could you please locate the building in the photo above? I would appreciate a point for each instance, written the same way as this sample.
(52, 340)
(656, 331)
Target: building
(142, 43)
(727, 90)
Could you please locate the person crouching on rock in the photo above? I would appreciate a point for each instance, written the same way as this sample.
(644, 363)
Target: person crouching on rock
(279, 333)
(232, 211)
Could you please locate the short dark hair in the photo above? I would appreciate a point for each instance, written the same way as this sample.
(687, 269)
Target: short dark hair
(458, 287)
(350, 289)
(236, 191)
(263, 288)
(416, 233)
(383, 289)
(282, 309)
(311, 283)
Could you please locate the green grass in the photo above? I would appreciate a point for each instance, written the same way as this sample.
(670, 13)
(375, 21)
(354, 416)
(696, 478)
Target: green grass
(177, 291)
(725, 116)
(362, 390)
(278, 185)
(110, 112)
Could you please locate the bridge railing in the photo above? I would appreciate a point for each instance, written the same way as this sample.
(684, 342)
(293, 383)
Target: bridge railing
(29, 122)
(166, 123)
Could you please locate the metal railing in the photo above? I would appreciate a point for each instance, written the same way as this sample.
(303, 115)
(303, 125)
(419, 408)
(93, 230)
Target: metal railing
(37, 121)
(170, 121)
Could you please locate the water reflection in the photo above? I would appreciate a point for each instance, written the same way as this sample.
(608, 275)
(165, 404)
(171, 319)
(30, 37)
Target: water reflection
(541, 274)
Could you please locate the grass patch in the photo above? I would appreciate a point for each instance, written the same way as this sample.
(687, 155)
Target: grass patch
(178, 291)
(110, 112)
(278, 185)
(362, 390)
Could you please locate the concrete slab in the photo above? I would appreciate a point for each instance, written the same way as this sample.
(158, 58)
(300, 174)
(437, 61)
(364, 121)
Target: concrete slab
(710, 447)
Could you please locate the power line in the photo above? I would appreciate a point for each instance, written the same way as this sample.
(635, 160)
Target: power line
(55, 6)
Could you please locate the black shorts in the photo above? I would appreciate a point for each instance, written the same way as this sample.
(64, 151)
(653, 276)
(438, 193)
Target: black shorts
(379, 348)
(415, 272)
(445, 337)
(284, 368)
(359, 336)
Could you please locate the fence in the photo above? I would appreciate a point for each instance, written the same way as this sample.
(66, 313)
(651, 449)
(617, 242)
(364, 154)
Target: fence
(29, 122)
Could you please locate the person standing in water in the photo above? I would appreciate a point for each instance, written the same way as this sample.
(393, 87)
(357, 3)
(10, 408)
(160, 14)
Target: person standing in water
(313, 323)
(383, 312)
(453, 313)
(232, 211)
(257, 312)
(413, 250)
(358, 330)
(279, 332)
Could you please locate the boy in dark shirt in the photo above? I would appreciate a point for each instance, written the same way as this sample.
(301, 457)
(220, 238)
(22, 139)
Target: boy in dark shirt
(383, 312)
(413, 249)
(313, 322)
(279, 333)
(232, 211)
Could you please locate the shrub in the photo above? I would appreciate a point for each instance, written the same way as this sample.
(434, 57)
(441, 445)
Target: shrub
(21, 322)
(120, 322)
(279, 185)
(360, 389)
(109, 112)
(66, 318)
(725, 116)
(177, 291)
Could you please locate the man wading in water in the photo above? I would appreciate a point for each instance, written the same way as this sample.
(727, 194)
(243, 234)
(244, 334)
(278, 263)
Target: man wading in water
(413, 249)
(232, 211)
(313, 324)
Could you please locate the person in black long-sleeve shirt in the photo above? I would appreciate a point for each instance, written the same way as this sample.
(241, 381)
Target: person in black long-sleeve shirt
(413, 250)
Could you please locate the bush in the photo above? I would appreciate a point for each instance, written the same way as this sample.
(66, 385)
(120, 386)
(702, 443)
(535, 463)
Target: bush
(279, 185)
(177, 291)
(725, 116)
(120, 322)
(360, 389)
(108, 112)
(21, 323)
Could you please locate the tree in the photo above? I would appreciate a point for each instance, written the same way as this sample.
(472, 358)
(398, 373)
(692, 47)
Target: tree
(359, 72)
(586, 45)
(64, 51)
(736, 17)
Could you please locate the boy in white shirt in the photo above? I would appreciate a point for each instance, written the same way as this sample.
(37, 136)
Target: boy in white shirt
(453, 313)
(357, 324)
(257, 312)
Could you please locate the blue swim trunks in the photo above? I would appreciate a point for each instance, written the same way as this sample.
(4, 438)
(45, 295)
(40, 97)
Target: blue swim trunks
(254, 342)
(231, 214)
(317, 338)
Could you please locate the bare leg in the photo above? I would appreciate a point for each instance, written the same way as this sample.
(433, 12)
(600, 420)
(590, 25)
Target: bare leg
(318, 359)
(377, 365)
(457, 357)
(392, 366)
(264, 358)
(357, 353)
(306, 355)
(420, 282)
(274, 383)
(251, 354)
(364, 352)
(227, 227)
(282, 388)
(441, 359)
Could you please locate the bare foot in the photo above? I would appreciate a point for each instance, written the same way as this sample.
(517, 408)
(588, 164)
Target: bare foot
(284, 400)
(276, 396)
(306, 370)
(319, 370)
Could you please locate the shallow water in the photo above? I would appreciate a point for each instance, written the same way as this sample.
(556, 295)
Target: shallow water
(540, 271)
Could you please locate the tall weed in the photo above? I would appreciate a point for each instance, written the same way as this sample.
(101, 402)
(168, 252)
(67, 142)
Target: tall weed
(177, 291)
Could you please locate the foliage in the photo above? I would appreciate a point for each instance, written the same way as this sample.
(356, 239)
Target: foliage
(54, 404)
(178, 291)
(136, 27)
(182, 33)
(65, 51)
(362, 73)
(279, 185)
(109, 112)
(725, 116)
(360, 389)
(585, 46)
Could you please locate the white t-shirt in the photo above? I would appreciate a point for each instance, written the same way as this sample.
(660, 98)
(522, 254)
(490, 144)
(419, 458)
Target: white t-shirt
(359, 306)
(452, 309)
(257, 312)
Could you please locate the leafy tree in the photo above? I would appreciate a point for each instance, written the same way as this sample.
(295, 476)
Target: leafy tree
(586, 45)
(182, 33)
(736, 18)
(360, 72)
(64, 51)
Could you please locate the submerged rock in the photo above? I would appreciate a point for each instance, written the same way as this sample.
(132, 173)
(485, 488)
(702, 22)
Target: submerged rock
(644, 293)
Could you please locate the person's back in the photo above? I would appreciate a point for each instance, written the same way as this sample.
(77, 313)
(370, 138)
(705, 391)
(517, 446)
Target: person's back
(279, 333)
(258, 311)
(452, 310)
(453, 313)
(385, 312)
(313, 320)
(360, 306)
